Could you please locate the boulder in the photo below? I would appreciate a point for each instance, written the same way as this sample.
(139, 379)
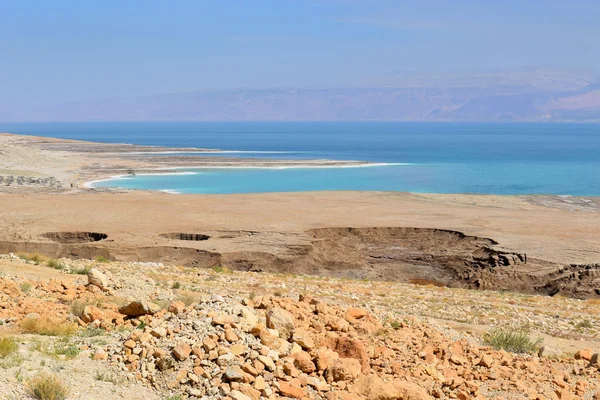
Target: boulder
(372, 387)
(350, 348)
(91, 313)
(282, 321)
(97, 278)
(344, 369)
(138, 308)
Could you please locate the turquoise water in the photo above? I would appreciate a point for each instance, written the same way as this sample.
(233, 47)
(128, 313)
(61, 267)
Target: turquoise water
(511, 158)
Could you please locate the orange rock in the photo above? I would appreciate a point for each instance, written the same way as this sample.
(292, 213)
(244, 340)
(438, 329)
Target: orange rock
(92, 313)
(350, 348)
(288, 390)
(583, 355)
(182, 352)
(357, 313)
(344, 369)
(176, 307)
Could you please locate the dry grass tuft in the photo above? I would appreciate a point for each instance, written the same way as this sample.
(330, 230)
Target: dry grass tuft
(44, 386)
(35, 258)
(8, 346)
(48, 326)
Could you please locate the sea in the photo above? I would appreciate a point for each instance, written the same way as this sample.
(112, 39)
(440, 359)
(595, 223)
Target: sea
(487, 158)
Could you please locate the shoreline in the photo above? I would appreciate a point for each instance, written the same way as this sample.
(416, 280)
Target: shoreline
(77, 165)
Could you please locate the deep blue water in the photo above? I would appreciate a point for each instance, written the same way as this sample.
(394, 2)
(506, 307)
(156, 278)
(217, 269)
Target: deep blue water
(509, 158)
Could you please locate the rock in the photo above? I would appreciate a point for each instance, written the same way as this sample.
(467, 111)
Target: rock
(325, 357)
(97, 278)
(91, 313)
(486, 361)
(350, 348)
(345, 369)
(372, 387)
(303, 362)
(100, 355)
(304, 339)
(235, 374)
(182, 352)
(267, 362)
(158, 332)
(237, 395)
(282, 321)
(547, 351)
(176, 307)
(583, 355)
(288, 390)
(357, 313)
(139, 308)
(164, 363)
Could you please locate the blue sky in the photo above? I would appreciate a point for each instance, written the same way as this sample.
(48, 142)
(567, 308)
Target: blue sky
(55, 51)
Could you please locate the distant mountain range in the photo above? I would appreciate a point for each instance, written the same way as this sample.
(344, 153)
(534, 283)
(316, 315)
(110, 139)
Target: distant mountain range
(522, 95)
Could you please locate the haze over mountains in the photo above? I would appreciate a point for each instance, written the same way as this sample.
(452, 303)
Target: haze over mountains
(526, 94)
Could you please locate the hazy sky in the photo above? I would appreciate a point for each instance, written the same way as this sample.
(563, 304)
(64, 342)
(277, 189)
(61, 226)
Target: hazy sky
(57, 50)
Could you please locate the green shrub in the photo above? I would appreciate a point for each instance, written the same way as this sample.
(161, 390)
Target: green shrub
(55, 264)
(34, 258)
(44, 386)
(176, 285)
(102, 259)
(514, 341)
(81, 270)
(222, 270)
(25, 287)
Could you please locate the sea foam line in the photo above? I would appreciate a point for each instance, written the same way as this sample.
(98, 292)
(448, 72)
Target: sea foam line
(295, 166)
(90, 184)
(206, 152)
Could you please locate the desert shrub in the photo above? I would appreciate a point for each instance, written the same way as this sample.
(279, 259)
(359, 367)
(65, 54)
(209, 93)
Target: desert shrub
(44, 386)
(91, 332)
(47, 326)
(65, 349)
(176, 285)
(586, 324)
(12, 361)
(34, 258)
(515, 341)
(81, 270)
(8, 346)
(55, 264)
(104, 376)
(222, 270)
(102, 259)
(25, 287)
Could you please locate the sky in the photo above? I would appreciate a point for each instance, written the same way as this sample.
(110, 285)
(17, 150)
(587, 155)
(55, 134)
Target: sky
(66, 50)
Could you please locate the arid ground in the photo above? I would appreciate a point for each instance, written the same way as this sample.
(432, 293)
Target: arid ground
(395, 255)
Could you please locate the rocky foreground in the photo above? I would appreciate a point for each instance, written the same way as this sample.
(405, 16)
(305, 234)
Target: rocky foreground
(146, 330)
